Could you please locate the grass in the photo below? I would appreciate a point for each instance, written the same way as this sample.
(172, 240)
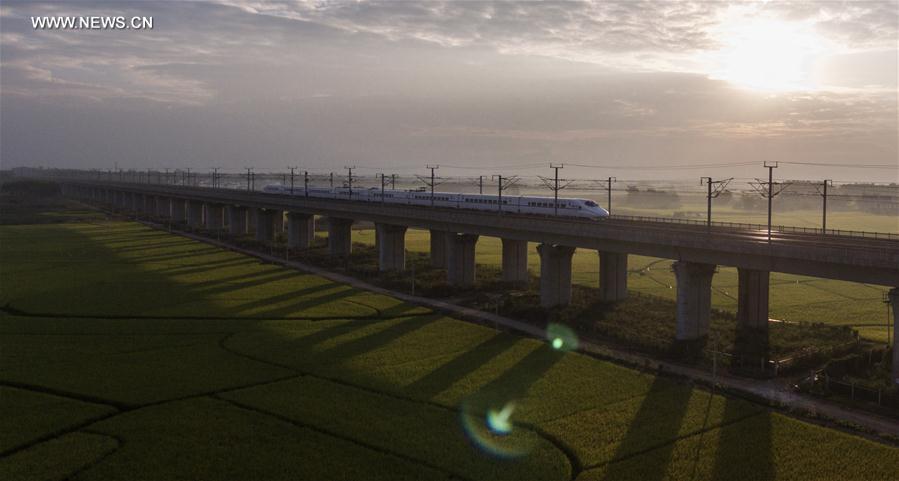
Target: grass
(134, 354)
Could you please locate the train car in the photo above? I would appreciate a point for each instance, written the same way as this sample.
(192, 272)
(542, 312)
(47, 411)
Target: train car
(567, 206)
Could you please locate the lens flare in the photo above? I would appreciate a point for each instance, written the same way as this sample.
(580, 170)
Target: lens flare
(561, 337)
(488, 424)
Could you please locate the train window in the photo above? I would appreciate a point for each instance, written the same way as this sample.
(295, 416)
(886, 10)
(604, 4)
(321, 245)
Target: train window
(590, 203)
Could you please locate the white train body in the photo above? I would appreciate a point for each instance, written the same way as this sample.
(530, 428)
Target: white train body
(568, 207)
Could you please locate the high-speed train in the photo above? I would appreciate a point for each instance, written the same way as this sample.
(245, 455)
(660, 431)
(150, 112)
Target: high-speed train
(568, 207)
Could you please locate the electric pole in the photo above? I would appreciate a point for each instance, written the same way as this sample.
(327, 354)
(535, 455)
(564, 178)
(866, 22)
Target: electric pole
(609, 203)
(249, 170)
(215, 177)
(331, 176)
(350, 179)
(503, 183)
(383, 184)
(823, 192)
(719, 186)
(306, 183)
(768, 192)
(292, 169)
(432, 182)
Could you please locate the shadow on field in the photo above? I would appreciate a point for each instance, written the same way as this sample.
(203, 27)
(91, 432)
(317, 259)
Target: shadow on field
(444, 376)
(660, 397)
(102, 285)
(514, 383)
(744, 454)
(374, 340)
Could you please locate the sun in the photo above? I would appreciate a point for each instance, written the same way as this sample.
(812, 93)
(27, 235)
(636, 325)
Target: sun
(768, 55)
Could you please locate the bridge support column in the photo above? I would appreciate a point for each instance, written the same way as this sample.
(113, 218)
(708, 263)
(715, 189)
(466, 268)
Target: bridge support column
(438, 248)
(278, 222)
(515, 261)
(265, 222)
(460, 258)
(215, 214)
(894, 301)
(555, 274)
(195, 213)
(340, 236)
(251, 219)
(752, 300)
(391, 247)
(694, 299)
(300, 230)
(612, 276)
(178, 210)
(237, 220)
(164, 206)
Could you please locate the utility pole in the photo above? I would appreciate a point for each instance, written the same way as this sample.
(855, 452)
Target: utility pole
(166, 175)
(433, 168)
(719, 186)
(383, 183)
(503, 183)
(432, 182)
(768, 192)
(249, 170)
(215, 177)
(331, 175)
(188, 176)
(292, 169)
(553, 184)
(306, 183)
(823, 192)
(392, 181)
(349, 177)
(609, 203)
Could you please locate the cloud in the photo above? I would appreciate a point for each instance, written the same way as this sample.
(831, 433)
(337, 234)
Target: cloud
(384, 84)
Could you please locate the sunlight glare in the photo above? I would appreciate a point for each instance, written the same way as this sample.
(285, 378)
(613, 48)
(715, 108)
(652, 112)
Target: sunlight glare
(768, 55)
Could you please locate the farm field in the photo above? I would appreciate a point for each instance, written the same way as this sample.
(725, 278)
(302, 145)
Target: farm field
(792, 298)
(131, 353)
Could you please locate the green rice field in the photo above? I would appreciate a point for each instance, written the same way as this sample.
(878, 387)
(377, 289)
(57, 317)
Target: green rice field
(132, 353)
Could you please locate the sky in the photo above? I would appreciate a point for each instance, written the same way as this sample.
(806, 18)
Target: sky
(651, 90)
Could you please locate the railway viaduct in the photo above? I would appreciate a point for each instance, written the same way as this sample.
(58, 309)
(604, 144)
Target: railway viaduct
(697, 250)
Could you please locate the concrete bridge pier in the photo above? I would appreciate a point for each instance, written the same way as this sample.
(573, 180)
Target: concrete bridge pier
(438, 248)
(515, 261)
(391, 247)
(894, 301)
(460, 258)
(694, 299)
(340, 236)
(300, 230)
(612, 276)
(555, 275)
(251, 219)
(237, 220)
(164, 207)
(265, 223)
(194, 213)
(752, 300)
(215, 216)
(179, 207)
(278, 221)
